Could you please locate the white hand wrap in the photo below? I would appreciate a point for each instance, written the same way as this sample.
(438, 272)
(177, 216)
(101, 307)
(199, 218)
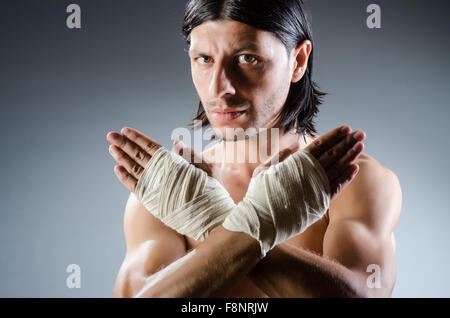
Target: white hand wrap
(282, 201)
(182, 196)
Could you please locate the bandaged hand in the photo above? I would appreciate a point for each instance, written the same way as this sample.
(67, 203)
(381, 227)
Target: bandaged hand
(178, 193)
(183, 196)
(282, 201)
(285, 199)
(134, 152)
(192, 210)
(187, 200)
(288, 197)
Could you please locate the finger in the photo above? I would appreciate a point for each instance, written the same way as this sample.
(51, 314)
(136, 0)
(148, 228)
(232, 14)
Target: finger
(132, 167)
(148, 144)
(332, 155)
(279, 157)
(323, 143)
(338, 185)
(133, 150)
(187, 152)
(191, 156)
(282, 154)
(128, 180)
(352, 154)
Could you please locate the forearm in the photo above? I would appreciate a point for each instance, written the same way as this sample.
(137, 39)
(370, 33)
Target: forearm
(289, 271)
(210, 270)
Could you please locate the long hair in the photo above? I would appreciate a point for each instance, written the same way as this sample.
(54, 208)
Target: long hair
(290, 22)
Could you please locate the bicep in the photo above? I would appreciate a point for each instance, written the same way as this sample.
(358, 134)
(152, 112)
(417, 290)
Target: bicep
(150, 244)
(360, 233)
(361, 250)
(141, 226)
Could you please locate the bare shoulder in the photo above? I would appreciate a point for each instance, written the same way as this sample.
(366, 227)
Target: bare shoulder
(374, 196)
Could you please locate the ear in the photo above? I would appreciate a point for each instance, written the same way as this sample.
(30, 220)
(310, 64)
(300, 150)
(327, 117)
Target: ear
(300, 55)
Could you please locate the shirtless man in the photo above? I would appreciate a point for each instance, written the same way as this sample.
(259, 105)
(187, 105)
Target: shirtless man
(237, 66)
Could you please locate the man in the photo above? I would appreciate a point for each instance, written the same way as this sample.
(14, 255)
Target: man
(251, 64)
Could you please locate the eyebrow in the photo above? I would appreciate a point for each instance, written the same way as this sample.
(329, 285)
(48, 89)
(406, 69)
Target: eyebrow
(246, 47)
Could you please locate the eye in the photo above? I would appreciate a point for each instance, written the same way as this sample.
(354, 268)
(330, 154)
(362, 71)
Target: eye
(204, 59)
(247, 59)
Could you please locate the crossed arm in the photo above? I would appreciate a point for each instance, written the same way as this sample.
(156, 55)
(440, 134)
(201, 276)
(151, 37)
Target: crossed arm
(359, 238)
(359, 235)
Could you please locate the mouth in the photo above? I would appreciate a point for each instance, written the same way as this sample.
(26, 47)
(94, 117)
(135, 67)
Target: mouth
(226, 115)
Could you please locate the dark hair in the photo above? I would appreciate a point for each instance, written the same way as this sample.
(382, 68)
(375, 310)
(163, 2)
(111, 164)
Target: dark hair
(290, 22)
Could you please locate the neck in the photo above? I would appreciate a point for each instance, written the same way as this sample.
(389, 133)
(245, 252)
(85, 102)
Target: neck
(246, 154)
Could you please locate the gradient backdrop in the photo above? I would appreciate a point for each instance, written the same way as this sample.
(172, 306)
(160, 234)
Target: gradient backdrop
(62, 90)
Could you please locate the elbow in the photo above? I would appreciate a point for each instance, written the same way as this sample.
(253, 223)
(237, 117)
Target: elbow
(121, 290)
(147, 294)
(132, 283)
(361, 294)
(125, 290)
(354, 287)
(150, 290)
(123, 286)
(373, 294)
(364, 291)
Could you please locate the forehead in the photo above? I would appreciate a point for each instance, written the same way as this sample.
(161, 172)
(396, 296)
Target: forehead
(228, 34)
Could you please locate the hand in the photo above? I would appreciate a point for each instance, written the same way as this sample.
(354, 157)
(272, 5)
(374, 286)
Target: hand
(132, 150)
(197, 160)
(337, 152)
(286, 201)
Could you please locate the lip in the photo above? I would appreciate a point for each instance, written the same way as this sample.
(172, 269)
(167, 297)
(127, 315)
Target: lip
(228, 110)
(226, 115)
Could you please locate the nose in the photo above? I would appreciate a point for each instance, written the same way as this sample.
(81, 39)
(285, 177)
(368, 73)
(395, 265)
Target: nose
(221, 84)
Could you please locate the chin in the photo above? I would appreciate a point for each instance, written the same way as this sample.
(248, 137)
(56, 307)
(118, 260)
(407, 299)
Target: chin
(234, 132)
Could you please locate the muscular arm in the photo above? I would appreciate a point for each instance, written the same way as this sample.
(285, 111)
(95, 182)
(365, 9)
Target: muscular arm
(150, 245)
(359, 235)
(215, 266)
(156, 264)
(210, 270)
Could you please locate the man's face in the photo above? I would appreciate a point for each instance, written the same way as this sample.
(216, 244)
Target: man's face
(237, 67)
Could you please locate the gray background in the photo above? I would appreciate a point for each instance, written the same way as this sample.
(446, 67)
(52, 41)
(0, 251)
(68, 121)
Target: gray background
(62, 90)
